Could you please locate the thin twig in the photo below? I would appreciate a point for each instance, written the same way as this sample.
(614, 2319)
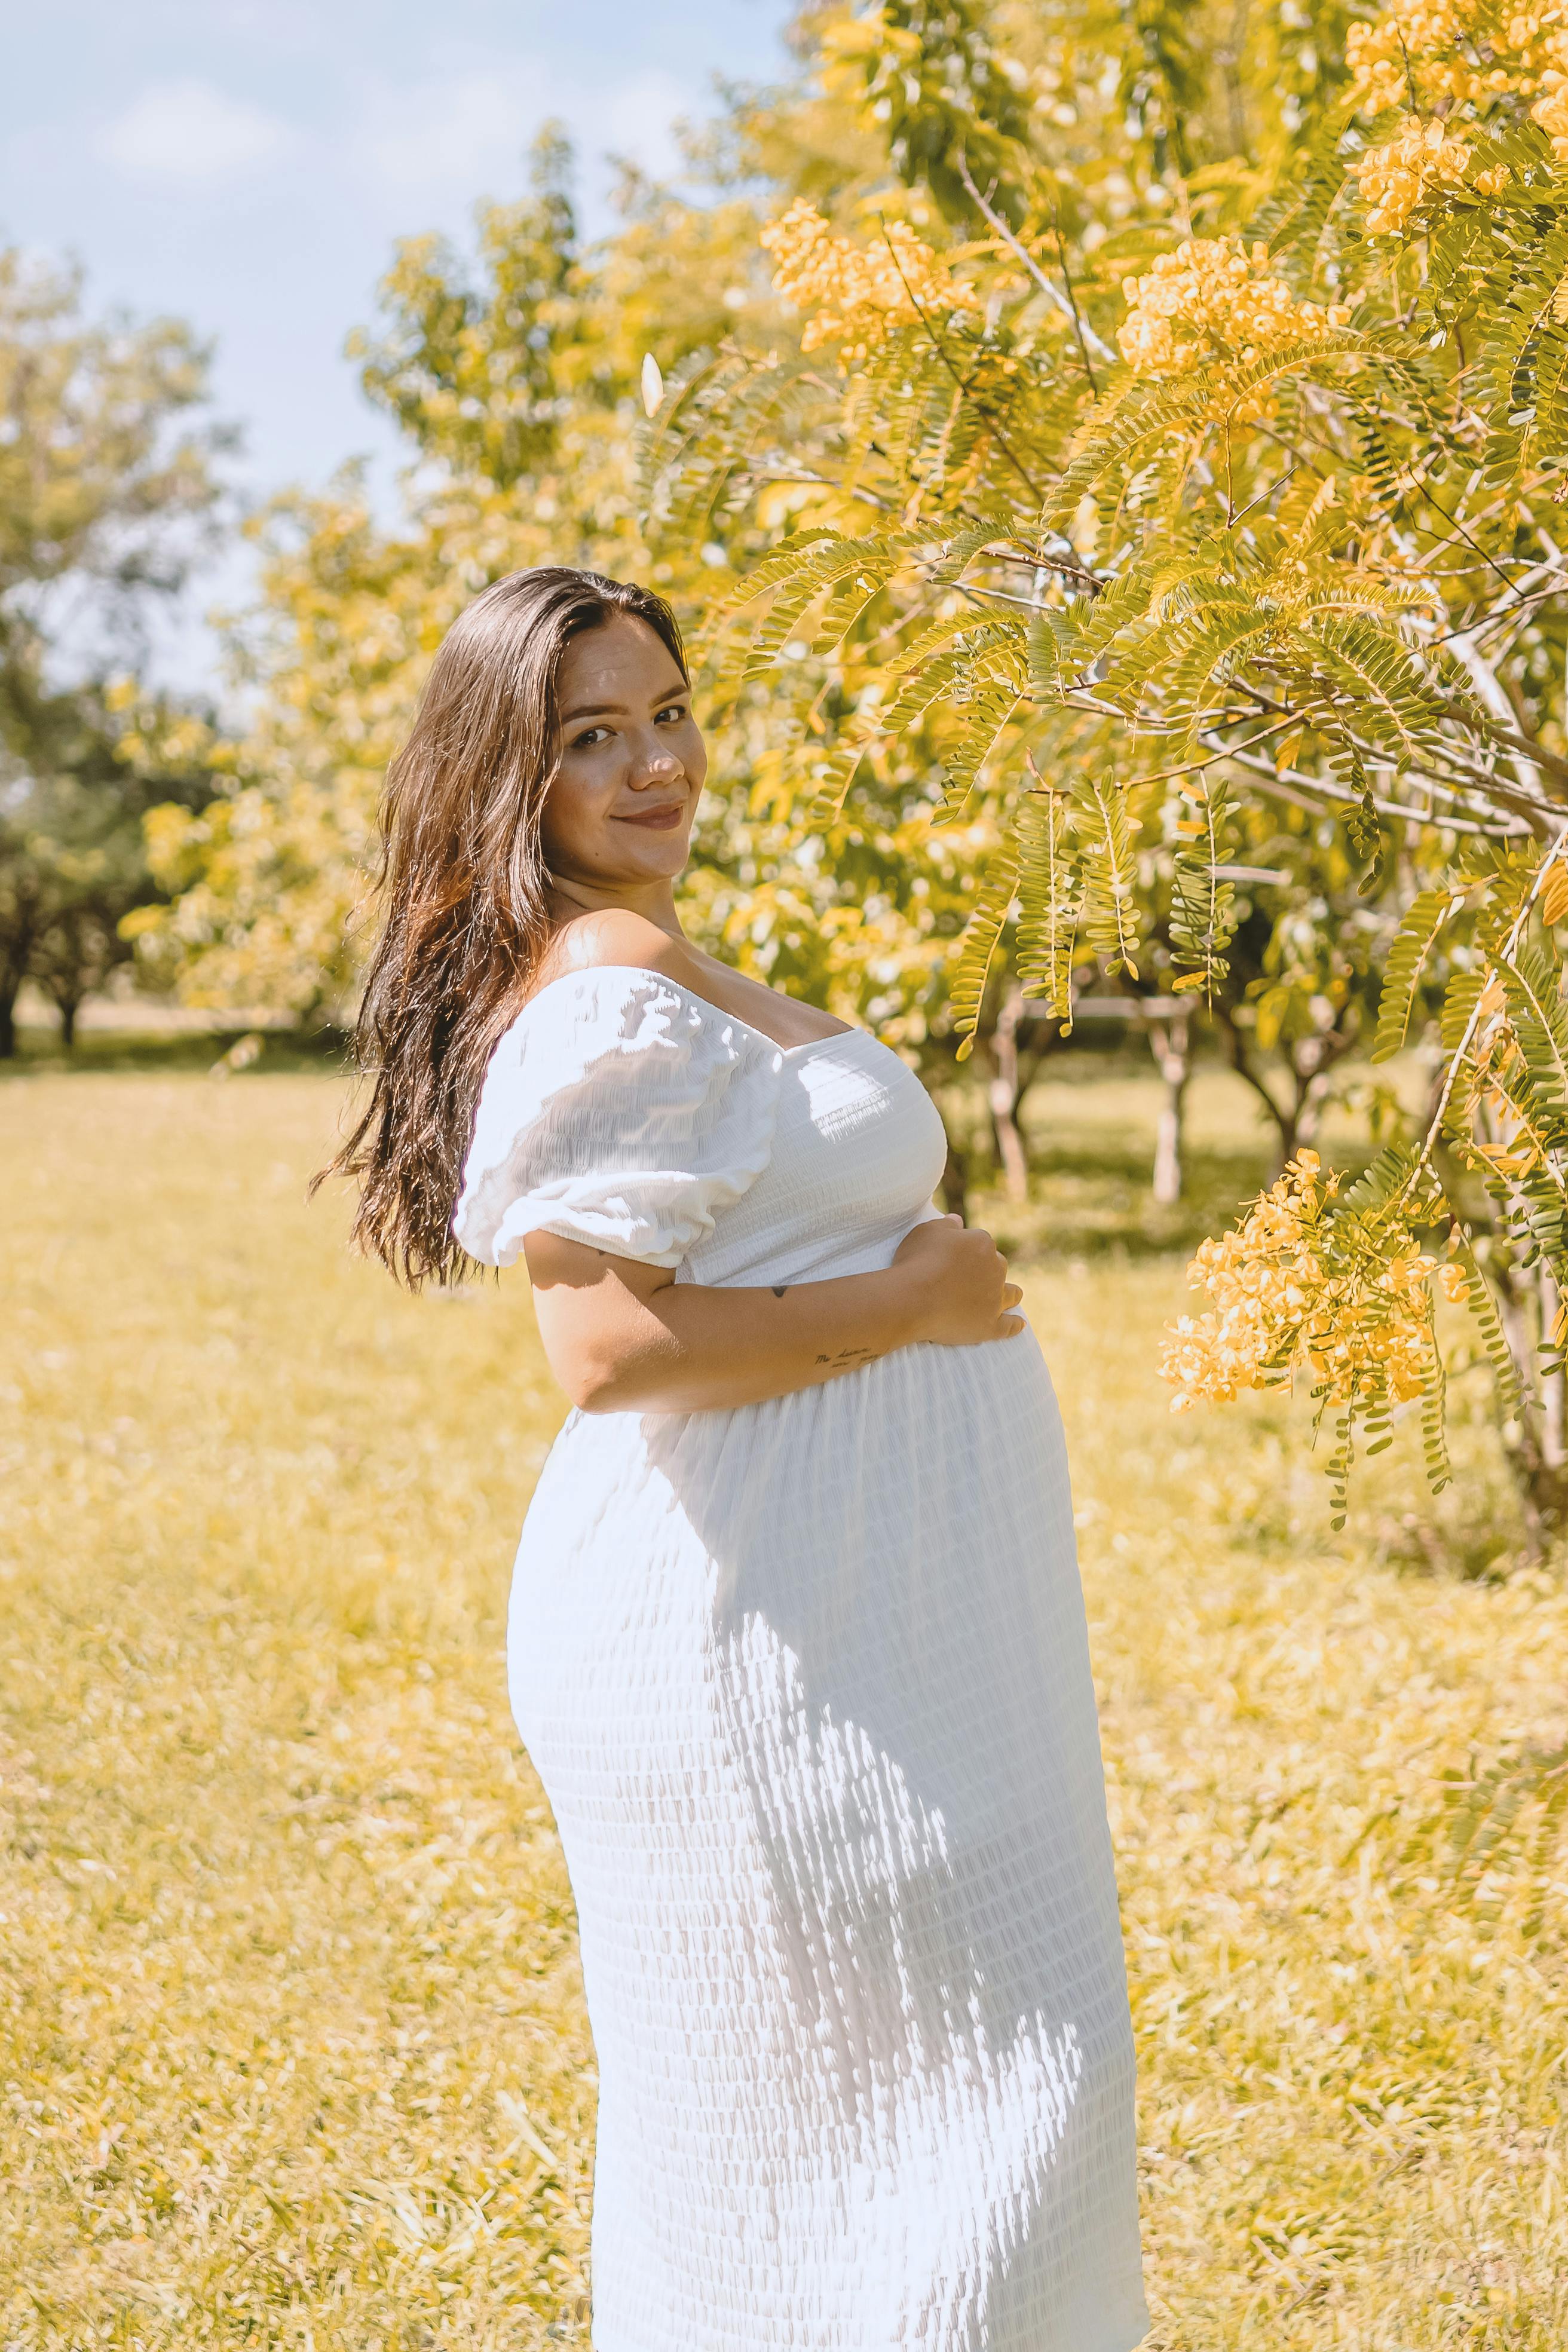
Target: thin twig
(1312, 792)
(1455, 524)
(964, 383)
(1450, 1079)
(822, 481)
(1068, 304)
(1266, 492)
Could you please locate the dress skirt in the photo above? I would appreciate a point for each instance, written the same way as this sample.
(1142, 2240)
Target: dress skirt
(807, 1684)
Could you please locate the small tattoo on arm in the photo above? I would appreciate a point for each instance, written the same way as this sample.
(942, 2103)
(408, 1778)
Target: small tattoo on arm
(779, 1288)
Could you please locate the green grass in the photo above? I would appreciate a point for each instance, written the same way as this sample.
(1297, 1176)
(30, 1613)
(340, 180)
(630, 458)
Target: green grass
(294, 2050)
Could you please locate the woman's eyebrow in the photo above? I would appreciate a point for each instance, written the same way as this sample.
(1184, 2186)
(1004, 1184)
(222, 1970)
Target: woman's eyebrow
(592, 711)
(619, 709)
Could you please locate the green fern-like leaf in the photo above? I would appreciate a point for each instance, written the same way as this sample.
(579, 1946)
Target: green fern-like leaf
(1412, 945)
(1202, 907)
(982, 942)
(1050, 901)
(1109, 872)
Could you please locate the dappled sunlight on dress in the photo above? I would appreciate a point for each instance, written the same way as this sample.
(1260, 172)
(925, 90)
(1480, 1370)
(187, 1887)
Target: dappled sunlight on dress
(807, 1684)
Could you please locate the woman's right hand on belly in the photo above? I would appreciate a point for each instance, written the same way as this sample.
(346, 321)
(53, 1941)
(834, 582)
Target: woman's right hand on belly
(960, 1294)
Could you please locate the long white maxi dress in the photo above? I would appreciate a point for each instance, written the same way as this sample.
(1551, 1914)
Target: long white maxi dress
(807, 1684)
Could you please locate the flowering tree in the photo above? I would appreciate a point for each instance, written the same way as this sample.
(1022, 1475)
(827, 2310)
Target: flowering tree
(1192, 517)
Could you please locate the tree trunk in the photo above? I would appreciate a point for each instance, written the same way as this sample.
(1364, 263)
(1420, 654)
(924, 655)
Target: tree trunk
(1537, 1454)
(1004, 1094)
(1241, 1062)
(955, 1182)
(68, 1008)
(1554, 1401)
(1170, 1043)
(8, 1024)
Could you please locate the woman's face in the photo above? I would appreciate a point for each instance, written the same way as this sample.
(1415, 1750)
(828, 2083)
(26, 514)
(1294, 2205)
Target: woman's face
(619, 810)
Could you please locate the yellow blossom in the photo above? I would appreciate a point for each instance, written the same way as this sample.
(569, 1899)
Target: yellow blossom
(853, 294)
(1211, 299)
(1285, 1301)
(1444, 53)
(1395, 177)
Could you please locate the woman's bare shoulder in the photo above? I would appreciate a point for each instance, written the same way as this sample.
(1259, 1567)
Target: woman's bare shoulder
(614, 935)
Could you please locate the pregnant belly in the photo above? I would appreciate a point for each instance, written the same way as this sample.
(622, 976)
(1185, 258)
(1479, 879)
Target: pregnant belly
(956, 1429)
(894, 1548)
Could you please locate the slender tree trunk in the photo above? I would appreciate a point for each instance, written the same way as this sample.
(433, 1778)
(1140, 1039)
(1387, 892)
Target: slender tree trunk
(1004, 1094)
(956, 1180)
(1241, 1062)
(8, 1024)
(68, 1008)
(1527, 1301)
(1554, 1399)
(1170, 1043)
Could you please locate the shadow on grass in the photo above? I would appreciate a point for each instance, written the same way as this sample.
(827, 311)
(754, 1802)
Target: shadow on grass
(1092, 1197)
(160, 1053)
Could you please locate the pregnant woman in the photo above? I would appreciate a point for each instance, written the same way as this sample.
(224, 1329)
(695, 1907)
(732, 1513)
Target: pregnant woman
(798, 1643)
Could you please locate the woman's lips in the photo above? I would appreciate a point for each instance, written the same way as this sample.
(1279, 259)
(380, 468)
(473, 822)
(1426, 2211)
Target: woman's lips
(659, 820)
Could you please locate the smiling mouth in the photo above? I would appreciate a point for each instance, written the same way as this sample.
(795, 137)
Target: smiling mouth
(659, 820)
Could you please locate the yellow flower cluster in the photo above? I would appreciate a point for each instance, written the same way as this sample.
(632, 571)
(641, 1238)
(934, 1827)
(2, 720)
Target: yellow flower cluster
(1397, 176)
(853, 294)
(1280, 1308)
(1454, 53)
(1468, 52)
(1210, 298)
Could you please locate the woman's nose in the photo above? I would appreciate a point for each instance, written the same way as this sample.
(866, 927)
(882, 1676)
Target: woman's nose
(658, 767)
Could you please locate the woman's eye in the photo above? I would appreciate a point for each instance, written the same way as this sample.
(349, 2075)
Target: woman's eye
(675, 710)
(588, 738)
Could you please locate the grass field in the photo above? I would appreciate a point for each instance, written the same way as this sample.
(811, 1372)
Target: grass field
(294, 2050)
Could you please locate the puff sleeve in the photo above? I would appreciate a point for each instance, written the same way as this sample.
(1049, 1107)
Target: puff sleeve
(620, 1111)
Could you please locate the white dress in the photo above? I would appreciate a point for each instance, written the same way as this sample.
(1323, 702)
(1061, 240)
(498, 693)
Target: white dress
(807, 1684)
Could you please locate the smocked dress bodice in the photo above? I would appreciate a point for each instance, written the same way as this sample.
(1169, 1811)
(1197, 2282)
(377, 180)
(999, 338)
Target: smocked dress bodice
(621, 1109)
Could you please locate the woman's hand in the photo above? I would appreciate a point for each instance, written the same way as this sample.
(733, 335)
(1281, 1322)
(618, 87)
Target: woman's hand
(627, 1337)
(961, 1295)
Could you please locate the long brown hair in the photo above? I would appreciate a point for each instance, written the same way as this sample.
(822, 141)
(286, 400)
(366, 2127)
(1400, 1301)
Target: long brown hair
(465, 893)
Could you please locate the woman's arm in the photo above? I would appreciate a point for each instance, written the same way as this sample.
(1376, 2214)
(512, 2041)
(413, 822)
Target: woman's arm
(627, 1337)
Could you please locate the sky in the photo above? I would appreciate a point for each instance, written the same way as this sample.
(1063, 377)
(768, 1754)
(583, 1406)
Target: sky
(248, 164)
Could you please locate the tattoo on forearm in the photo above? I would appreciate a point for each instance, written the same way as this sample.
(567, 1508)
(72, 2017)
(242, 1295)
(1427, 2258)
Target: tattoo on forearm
(779, 1288)
(847, 1358)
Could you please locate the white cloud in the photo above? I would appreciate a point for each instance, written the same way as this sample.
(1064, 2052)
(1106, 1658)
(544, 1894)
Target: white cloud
(456, 132)
(469, 131)
(188, 132)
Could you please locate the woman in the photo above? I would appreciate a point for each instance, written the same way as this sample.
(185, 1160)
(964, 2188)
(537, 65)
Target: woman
(797, 1645)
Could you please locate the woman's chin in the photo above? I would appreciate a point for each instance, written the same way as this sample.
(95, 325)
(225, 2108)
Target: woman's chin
(662, 859)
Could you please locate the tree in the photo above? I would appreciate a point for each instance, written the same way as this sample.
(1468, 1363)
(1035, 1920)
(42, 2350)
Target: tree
(104, 502)
(1172, 509)
(518, 380)
(74, 855)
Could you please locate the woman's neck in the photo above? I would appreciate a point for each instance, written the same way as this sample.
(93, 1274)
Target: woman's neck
(654, 902)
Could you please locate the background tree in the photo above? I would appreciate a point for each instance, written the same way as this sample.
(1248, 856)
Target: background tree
(1186, 525)
(517, 377)
(106, 497)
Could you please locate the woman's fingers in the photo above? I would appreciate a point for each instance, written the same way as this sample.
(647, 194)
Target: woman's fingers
(1012, 1294)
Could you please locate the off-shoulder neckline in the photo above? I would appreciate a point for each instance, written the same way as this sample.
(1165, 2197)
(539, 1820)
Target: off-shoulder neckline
(648, 971)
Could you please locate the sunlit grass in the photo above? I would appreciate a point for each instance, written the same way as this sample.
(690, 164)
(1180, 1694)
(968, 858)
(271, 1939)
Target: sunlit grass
(294, 2045)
